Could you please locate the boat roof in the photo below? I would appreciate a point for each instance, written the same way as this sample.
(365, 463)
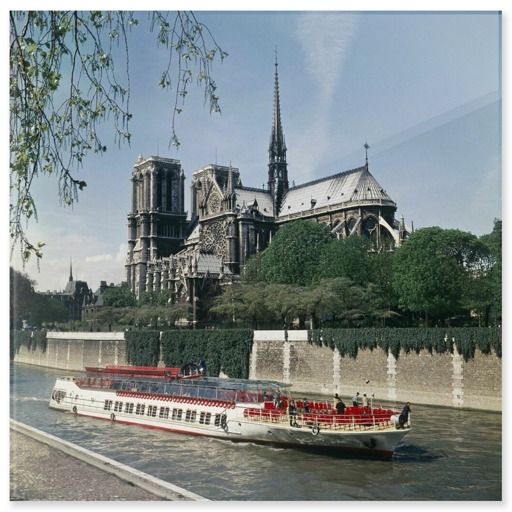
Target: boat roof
(239, 384)
(200, 381)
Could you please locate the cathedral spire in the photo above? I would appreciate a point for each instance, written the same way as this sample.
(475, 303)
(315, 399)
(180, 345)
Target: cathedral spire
(277, 166)
(70, 271)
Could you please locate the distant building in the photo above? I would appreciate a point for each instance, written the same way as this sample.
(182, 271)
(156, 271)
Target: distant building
(230, 222)
(72, 297)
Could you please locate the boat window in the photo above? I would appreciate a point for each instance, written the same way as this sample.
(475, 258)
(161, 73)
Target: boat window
(118, 406)
(140, 409)
(190, 416)
(164, 412)
(176, 414)
(152, 410)
(205, 417)
(129, 408)
(218, 419)
(108, 405)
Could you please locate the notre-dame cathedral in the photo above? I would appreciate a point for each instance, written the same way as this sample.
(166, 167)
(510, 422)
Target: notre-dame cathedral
(230, 222)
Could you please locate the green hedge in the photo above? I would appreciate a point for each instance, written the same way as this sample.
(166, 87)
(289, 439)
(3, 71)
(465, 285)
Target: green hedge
(228, 350)
(142, 347)
(440, 341)
(31, 339)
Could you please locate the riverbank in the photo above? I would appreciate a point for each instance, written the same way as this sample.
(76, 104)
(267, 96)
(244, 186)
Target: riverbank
(421, 376)
(46, 468)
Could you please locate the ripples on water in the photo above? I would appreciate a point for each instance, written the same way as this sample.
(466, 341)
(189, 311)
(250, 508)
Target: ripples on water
(450, 455)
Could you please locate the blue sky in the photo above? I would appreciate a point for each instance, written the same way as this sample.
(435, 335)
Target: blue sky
(422, 88)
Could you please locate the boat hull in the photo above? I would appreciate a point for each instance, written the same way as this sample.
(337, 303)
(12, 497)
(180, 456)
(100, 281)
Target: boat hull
(222, 420)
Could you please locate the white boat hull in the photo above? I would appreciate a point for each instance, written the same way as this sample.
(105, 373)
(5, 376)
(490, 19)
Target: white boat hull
(222, 420)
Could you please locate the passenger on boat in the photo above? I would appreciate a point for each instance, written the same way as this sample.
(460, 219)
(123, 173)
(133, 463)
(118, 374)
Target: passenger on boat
(277, 400)
(305, 405)
(336, 400)
(365, 401)
(201, 364)
(404, 415)
(355, 400)
(292, 412)
(340, 407)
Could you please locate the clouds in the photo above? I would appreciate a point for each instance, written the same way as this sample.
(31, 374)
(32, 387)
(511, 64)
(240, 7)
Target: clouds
(325, 39)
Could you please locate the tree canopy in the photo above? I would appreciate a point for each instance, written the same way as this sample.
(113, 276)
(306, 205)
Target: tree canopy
(69, 74)
(432, 268)
(294, 254)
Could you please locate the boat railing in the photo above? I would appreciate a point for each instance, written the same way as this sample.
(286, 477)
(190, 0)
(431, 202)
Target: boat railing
(348, 422)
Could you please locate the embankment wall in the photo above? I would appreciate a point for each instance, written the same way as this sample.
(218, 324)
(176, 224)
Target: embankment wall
(424, 378)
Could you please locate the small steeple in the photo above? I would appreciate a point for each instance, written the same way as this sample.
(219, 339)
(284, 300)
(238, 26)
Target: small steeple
(277, 166)
(367, 148)
(70, 271)
(230, 179)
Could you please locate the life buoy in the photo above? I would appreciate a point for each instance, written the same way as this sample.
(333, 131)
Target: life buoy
(315, 430)
(74, 409)
(113, 417)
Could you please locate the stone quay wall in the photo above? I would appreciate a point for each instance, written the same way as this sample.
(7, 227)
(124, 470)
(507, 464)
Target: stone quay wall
(287, 356)
(74, 351)
(424, 378)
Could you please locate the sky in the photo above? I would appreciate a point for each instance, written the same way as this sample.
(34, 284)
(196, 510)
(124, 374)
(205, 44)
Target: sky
(422, 88)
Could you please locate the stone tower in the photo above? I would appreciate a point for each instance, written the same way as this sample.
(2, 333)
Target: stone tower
(157, 221)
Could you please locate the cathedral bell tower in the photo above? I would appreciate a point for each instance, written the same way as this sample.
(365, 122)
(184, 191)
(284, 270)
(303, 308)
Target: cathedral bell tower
(157, 221)
(277, 166)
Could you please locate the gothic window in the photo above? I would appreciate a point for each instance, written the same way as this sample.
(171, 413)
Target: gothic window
(370, 230)
(168, 193)
(214, 203)
(370, 223)
(214, 239)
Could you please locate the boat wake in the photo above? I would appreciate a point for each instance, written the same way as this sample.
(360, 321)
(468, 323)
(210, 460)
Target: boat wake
(28, 399)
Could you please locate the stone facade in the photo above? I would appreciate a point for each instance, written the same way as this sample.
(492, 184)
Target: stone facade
(230, 222)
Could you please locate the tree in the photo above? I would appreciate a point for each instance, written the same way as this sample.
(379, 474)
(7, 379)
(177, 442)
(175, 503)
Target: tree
(432, 268)
(347, 257)
(22, 296)
(119, 297)
(483, 292)
(154, 298)
(69, 73)
(47, 310)
(293, 255)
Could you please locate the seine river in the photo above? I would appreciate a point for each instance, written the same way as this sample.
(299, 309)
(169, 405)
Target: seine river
(450, 455)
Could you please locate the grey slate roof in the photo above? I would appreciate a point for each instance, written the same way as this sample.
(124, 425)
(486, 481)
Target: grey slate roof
(349, 186)
(246, 196)
(210, 264)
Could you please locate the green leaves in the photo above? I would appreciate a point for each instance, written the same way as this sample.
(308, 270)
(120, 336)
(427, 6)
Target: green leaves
(293, 255)
(69, 73)
(406, 340)
(432, 269)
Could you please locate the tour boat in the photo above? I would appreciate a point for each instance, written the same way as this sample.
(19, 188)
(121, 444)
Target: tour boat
(183, 400)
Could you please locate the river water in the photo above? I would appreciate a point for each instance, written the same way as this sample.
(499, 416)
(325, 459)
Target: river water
(450, 455)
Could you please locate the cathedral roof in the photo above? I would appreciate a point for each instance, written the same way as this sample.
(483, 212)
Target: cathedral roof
(73, 287)
(247, 196)
(210, 264)
(354, 186)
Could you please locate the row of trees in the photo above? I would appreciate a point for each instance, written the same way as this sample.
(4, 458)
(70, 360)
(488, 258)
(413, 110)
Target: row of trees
(438, 277)
(30, 307)
(120, 307)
